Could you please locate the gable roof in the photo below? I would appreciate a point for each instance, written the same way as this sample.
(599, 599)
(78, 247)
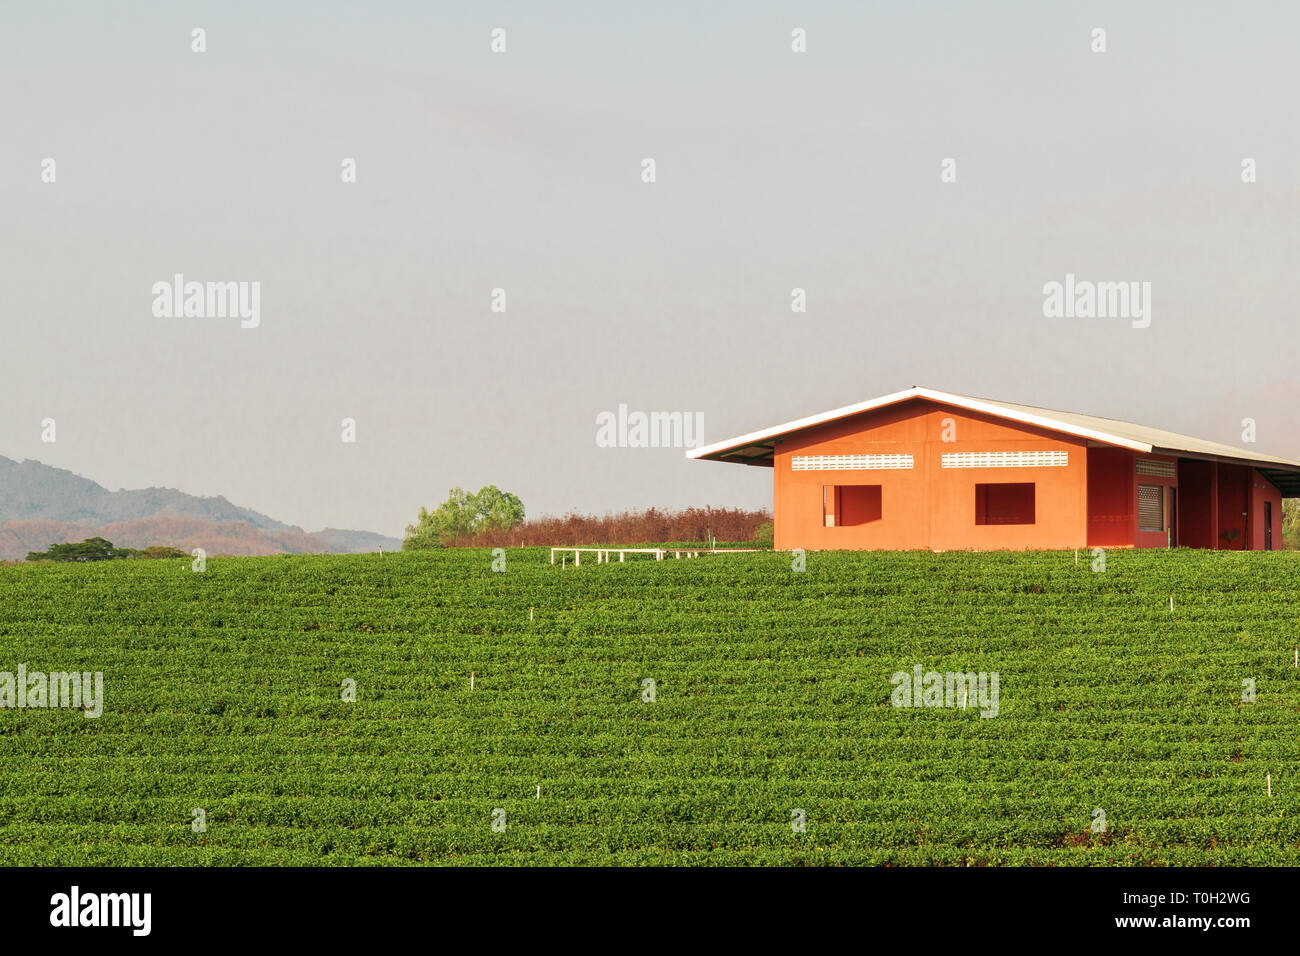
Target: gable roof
(757, 448)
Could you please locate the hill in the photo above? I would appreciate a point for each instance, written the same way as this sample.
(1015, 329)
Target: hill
(681, 711)
(340, 541)
(41, 505)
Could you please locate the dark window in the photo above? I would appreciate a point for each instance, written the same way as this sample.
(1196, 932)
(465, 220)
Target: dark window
(1005, 503)
(1151, 508)
(845, 506)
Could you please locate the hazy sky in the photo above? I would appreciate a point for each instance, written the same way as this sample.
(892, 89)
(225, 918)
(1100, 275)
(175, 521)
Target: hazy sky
(522, 171)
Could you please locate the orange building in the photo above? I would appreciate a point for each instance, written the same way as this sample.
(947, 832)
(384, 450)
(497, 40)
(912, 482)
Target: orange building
(928, 469)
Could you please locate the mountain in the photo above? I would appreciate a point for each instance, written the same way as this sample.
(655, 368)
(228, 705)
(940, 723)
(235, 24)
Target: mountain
(41, 505)
(355, 542)
(31, 491)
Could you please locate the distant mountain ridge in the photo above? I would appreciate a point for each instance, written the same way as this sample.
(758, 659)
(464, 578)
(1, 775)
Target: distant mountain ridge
(41, 505)
(32, 491)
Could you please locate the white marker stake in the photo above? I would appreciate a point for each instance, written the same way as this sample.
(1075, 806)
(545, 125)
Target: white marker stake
(1171, 604)
(1076, 555)
(539, 791)
(471, 680)
(1297, 658)
(1268, 779)
(530, 614)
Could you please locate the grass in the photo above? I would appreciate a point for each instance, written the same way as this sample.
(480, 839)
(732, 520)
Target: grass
(772, 695)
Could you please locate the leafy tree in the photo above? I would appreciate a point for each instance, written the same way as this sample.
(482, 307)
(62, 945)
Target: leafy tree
(100, 549)
(159, 551)
(452, 519)
(497, 509)
(1291, 523)
(92, 549)
(462, 515)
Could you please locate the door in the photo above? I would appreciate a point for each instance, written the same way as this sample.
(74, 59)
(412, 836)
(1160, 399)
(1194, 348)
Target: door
(1268, 526)
(1173, 517)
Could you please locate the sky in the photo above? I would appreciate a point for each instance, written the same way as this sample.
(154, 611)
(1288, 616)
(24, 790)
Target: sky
(523, 170)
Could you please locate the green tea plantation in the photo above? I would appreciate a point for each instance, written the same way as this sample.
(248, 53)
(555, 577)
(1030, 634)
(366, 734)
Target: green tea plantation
(425, 708)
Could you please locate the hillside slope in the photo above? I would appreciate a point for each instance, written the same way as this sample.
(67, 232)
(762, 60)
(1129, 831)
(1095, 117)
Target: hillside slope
(32, 491)
(41, 505)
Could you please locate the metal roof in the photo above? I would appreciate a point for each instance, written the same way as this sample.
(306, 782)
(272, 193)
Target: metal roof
(757, 448)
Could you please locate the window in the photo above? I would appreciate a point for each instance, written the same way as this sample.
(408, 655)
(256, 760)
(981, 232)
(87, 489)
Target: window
(1160, 469)
(849, 462)
(1151, 507)
(847, 506)
(1005, 459)
(1009, 503)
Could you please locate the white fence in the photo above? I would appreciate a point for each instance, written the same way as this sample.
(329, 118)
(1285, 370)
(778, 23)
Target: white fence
(603, 555)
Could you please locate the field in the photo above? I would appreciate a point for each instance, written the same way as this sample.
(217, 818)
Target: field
(771, 695)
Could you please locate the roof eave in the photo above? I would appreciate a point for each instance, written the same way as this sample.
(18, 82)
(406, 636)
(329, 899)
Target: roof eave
(718, 450)
(1261, 463)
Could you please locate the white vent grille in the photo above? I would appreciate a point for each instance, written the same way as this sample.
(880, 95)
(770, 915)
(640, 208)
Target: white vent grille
(1006, 459)
(1151, 508)
(1162, 469)
(850, 462)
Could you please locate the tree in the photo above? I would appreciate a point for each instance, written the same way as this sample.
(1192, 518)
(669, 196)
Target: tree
(453, 518)
(99, 549)
(497, 509)
(92, 549)
(462, 515)
(1291, 523)
(159, 551)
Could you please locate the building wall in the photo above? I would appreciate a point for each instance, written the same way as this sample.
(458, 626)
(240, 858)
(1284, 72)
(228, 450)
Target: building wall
(1234, 507)
(1197, 504)
(1112, 498)
(1263, 490)
(928, 506)
(1212, 497)
(1114, 519)
(1154, 539)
